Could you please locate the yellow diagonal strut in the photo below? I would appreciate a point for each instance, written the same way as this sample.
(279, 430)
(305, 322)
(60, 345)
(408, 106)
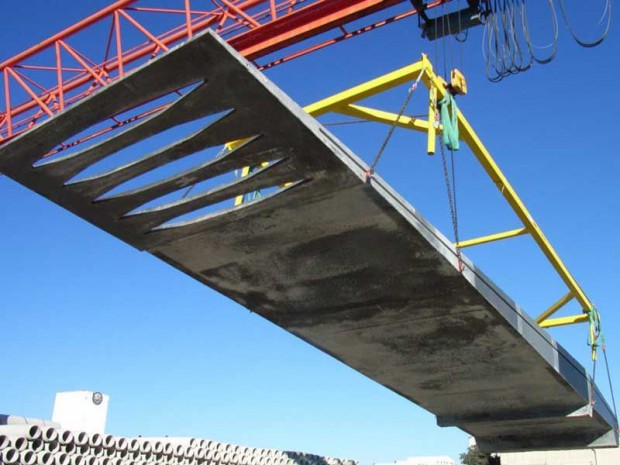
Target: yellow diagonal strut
(345, 103)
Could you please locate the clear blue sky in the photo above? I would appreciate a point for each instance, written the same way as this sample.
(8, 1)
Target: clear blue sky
(82, 310)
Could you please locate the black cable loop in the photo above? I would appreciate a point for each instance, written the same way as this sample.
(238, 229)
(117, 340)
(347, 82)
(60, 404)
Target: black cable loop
(528, 38)
(569, 26)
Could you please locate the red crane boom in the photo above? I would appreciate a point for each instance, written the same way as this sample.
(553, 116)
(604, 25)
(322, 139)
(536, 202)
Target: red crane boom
(41, 81)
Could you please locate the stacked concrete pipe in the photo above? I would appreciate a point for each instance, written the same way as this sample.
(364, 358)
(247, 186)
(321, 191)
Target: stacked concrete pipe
(32, 444)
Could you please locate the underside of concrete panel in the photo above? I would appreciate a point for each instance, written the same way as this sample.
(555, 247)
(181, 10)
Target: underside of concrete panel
(346, 265)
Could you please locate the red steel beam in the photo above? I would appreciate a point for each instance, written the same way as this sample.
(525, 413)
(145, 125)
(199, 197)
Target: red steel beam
(307, 22)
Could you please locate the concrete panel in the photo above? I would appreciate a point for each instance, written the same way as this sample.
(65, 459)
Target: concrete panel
(348, 266)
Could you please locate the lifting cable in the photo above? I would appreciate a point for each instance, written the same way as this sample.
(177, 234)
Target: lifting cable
(596, 339)
(507, 45)
(451, 191)
(448, 115)
(605, 33)
(371, 170)
(611, 387)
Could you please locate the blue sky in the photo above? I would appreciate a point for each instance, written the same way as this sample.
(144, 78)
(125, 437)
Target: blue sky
(82, 310)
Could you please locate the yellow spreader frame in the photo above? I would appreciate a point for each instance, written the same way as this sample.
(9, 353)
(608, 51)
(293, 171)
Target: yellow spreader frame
(345, 103)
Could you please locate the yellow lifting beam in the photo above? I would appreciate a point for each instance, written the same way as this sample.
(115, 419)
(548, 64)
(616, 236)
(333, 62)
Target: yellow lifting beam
(492, 238)
(346, 103)
(566, 298)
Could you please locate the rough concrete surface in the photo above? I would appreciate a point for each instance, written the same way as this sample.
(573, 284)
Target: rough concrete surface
(346, 265)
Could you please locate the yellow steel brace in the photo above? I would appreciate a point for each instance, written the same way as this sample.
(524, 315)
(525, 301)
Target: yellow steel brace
(492, 238)
(346, 103)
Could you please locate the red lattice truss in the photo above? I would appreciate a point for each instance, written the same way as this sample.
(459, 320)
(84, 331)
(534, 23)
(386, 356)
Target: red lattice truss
(43, 80)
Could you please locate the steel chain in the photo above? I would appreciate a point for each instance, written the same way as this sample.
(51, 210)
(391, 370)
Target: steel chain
(452, 202)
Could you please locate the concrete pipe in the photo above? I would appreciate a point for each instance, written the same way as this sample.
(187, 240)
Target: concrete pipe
(95, 440)
(21, 430)
(188, 452)
(27, 457)
(209, 444)
(220, 447)
(145, 447)
(178, 450)
(77, 460)
(80, 438)
(61, 458)
(65, 437)
(168, 449)
(107, 441)
(52, 447)
(37, 446)
(9, 456)
(97, 451)
(14, 420)
(120, 444)
(200, 453)
(45, 458)
(91, 460)
(5, 442)
(133, 445)
(20, 444)
(49, 434)
(158, 448)
(104, 460)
